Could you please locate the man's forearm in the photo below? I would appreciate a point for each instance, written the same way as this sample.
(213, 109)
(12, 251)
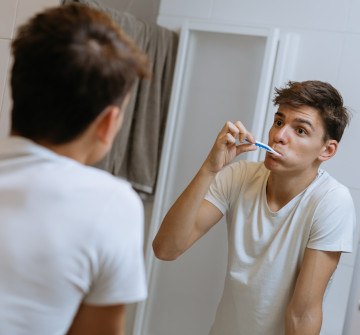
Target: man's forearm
(177, 228)
(190, 217)
(307, 323)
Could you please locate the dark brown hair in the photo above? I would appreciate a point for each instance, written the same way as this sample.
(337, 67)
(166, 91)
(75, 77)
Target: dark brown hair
(321, 96)
(70, 63)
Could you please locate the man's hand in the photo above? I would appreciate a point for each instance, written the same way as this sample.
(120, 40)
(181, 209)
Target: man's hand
(225, 148)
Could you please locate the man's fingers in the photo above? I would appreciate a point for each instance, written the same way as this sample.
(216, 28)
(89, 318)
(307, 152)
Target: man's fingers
(231, 132)
(241, 148)
(230, 127)
(244, 134)
(226, 138)
(238, 131)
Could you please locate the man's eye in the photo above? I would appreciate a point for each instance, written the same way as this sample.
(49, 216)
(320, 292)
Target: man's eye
(301, 131)
(278, 123)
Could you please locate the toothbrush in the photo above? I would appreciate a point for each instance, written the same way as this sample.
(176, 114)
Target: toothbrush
(265, 147)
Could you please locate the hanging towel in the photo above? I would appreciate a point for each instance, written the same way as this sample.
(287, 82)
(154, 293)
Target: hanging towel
(136, 151)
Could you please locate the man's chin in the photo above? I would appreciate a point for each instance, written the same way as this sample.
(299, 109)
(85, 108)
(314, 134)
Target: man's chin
(271, 162)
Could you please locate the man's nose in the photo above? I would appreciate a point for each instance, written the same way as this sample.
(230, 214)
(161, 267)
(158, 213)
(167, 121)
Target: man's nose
(281, 134)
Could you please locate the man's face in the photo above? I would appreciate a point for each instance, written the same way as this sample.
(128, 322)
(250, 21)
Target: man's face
(298, 135)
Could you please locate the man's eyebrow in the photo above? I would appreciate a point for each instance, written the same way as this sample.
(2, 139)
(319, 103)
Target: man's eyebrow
(299, 120)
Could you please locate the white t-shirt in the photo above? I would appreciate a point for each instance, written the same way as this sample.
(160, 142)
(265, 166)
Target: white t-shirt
(266, 248)
(69, 234)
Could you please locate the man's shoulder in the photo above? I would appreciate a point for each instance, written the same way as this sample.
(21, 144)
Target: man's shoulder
(249, 167)
(101, 182)
(97, 175)
(328, 182)
(104, 197)
(326, 186)
(248, 170)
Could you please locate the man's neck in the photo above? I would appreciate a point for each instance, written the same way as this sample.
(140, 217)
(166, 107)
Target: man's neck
(282, 189)
(79, 149)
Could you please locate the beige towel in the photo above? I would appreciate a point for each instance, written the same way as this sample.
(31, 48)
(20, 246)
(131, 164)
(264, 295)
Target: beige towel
(136, 152)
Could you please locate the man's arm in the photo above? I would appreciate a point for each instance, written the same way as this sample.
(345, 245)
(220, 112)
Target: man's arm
(304, 312)
(188, 219)
(191, 216)
(99, 320)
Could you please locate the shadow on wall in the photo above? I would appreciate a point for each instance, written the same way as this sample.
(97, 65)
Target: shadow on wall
(145, 10)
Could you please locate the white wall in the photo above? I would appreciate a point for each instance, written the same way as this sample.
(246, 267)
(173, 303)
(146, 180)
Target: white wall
(329, 50)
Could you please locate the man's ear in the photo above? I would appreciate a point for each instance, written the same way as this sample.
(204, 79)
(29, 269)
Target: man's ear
(329, 150)
(108, 124)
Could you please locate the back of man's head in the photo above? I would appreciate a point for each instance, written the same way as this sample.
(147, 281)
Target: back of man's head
(70, 63)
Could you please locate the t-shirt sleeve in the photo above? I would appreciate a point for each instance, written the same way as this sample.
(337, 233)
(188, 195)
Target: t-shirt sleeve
(226, 184)
(119, 272)
(334, 222)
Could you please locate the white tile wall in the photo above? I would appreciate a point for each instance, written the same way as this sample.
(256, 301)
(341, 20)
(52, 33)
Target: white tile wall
(7, 17)
(5, 113)
(28, 8)
(336, 301)
(320, 14)
(352, 324)
(353, 22)
(169, 22)
(4, 62)
(4, 99)
(345, 165)
(187, 8)
(319, 56)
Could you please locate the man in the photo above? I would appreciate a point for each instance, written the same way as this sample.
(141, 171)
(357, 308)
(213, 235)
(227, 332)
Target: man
(288, 220)
(70, 235)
